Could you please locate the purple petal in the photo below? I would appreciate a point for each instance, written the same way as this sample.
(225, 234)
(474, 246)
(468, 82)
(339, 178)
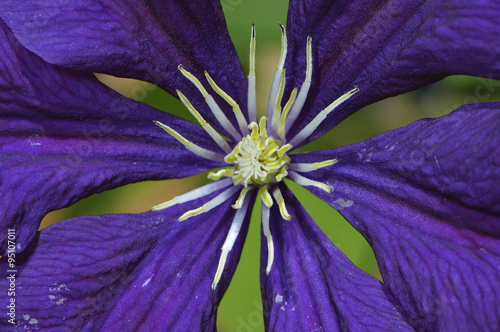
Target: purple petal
(312, 286)
(60, 145)
(144, 39)
(387, 48)
(426, 197)
(144, 272)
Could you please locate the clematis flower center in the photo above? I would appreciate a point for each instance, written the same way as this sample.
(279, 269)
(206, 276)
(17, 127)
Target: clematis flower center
(259, 160)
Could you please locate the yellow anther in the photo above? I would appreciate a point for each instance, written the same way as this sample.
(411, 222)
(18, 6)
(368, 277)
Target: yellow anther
(173, 133)
(217, 112)
(284, 114)
(283, 149)
(282, 174)
(220, 174)
(191, 108)
(242, 122)
(326, 163)
(192, 213)
(263, 127)
(193, 80)
(269, 148)
(276, 163)
(239, 202)
(255, 130)
(309, 167)
(311, 126)
(304, 89)
(231, 157)
(204, 124)
(202, 152)
(165, 205)
(323, 186)
(216, 201)
(270, 253)
(265, 196)
(281, 202)
(220, 268)
(277, 104)
(303, 181)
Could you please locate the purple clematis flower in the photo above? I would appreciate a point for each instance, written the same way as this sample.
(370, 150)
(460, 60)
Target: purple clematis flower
(426, 197)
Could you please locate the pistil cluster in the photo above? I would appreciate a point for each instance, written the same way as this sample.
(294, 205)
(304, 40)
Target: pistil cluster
(259, 160)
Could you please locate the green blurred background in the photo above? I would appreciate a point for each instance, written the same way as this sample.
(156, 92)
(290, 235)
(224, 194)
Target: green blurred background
(241, 308)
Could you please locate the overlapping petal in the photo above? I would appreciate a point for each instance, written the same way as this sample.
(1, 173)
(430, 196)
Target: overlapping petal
(144, 39)
(140, 272)
(426, 197)
(387, 48)
(312, 286)
(65, 136)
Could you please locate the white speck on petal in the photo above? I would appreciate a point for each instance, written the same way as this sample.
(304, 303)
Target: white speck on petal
(369, 157)
(33, 321)
(33, 143)
(26, 317)
(344, 203)
(58, 288)
(278, 298)
(51, 297)
(147, 281)
(61, 301)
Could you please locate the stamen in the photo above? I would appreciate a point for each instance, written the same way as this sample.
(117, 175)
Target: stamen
(230, 240)
(303, 181)
(239, 201)
(311, 126)
(277, 75)
(284, 115)
(309, 167)
(283, 149)
(226, 172)
(263, 127)
(267, 234)
(277, 105)
(284, 47)
(269, 148)
(282, 174)
(265, 196)
(304, 89)
(252, 95)
(242, 122)
(217, 112)
(220, 267)
(255, 130)
(204, 124)
(198, 150)
(218, 200)
(281, 202)
(194, 194)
